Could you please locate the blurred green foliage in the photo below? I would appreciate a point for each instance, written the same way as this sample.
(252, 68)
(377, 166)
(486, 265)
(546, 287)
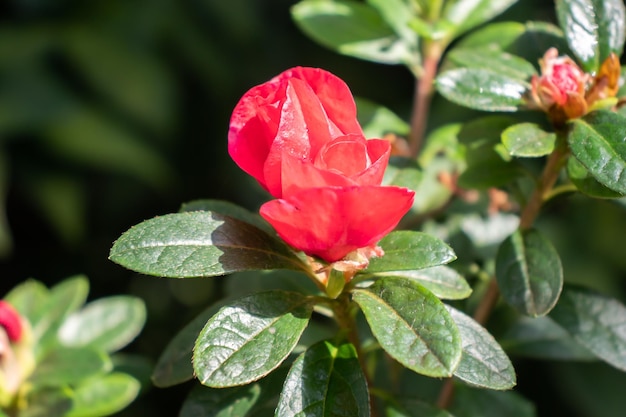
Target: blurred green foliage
(115, 111)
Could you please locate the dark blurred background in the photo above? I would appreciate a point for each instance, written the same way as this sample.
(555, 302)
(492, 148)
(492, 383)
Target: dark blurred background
(115, 111)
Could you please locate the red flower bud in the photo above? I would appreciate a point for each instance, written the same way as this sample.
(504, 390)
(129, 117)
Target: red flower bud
(11, 321)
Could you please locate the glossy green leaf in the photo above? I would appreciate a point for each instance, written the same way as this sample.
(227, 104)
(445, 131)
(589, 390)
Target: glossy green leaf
(377, 120)
(529, 272)
(99, 397)
(352, 28)
(528, 140)
(249, 338)
(587, 184)
(483, 362)
(467, 14)
(542, 338)
(415, 408)
(595, 321)
(593, 28)
(598, 142)
(498, 35)
(482, 89)
(70, 366)
(228, 209)
(326, 380)
(499, 62)
(48, 402)
(474, 402)
(175, 363)
(407, 250)
(108, 323)
(200, 244)
(257, 399)
(412, 325)
(441, 280)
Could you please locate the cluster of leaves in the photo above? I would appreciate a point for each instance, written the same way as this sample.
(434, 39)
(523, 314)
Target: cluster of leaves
(77, 371)
(243, 347)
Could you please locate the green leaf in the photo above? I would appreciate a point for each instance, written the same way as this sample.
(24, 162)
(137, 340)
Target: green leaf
(403, 172)
(377, 120)
(529, 272)
(441, 280)
(467, 14)
(497, 61)
(98, 397)
(596, 322)
(597, 141)
(483, 363)
(175, 363)
(587, 184)
(228, 209)
(593, 28)
(70, 366)
(352, 28)
(326, 380)
(542, 338)
(109, 323)
(48, 402)
(406, 250)
(528, 140)
(415, 408)
(200, 244)
(28, 298)
(256, 399)
(482, 89)
(474, 402)
(249, 338)
(412, 325)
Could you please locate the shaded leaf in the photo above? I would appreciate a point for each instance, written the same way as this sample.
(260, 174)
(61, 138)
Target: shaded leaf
(352, 28)
(109, 323)
(48, 402)
(103, 396)
(442, 281)
(598, 141)
(542, 338)
(467, 14)
(414, 408)
(406, 250)
(326, 380)
(528, 140)
(28, 298)
(69, 366)
(483, 362)
(474, 402)
(403, 172)
(175, 363)
(529, 272)
(412, 325)
(593, 28)
(257, 399)
(377, 120)
(200, 244)
(595, 321)
(482, 89)
(249, 338)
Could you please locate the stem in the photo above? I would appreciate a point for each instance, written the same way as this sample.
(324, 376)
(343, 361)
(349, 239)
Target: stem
(345, 320)
(422, 96)
(550, 174)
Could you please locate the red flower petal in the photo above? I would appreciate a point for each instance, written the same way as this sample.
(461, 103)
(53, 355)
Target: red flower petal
(11, 321)
(331, 222)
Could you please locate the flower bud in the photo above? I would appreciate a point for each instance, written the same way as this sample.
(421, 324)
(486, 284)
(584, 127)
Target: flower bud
(11, 321)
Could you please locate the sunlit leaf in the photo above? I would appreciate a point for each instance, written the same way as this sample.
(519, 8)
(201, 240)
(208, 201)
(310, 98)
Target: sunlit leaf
(528, 140)
(99, 397)
(249, 338)
(200, 244)
(326, 380)
(377, 120)
(466, 14)
(412, 325)
(587, 184)
(70, 366)
(442, 281)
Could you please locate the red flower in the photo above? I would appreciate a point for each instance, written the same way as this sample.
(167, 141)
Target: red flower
(294, 131)
(11, 321)
(299, 137)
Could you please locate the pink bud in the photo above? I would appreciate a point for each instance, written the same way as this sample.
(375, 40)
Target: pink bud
(11, 321)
